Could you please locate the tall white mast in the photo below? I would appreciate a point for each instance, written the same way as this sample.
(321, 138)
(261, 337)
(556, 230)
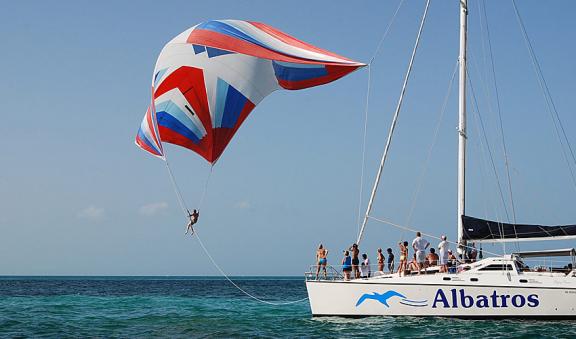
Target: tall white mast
(462, 120)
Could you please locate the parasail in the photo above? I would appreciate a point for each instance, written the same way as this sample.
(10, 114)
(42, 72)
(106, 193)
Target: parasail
(210, 77)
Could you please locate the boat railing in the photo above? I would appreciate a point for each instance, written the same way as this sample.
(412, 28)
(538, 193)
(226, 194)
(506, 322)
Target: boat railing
(335, 272)
(530, 266)
(332, 273)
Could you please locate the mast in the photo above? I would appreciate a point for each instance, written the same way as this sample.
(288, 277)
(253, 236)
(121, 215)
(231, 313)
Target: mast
(462, 120)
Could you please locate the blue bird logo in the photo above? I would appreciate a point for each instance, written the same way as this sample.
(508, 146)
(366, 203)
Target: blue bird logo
(382, 298)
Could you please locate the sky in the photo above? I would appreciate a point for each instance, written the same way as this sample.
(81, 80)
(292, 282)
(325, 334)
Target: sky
(77, 197)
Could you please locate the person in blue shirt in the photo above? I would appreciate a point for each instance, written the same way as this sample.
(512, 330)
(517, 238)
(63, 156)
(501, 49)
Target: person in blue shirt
(347, 265)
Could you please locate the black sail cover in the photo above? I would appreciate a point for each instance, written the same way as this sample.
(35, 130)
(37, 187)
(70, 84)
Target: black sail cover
(487, 230)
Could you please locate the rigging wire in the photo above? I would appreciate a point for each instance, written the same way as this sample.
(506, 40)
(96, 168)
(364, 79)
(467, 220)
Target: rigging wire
(394, 121)
(551, 107)
(484, 28)
(411, 229)
(434, 139)
(366, 109)
(483, 167)
(481, 124)
(499, 111)
(181, 201)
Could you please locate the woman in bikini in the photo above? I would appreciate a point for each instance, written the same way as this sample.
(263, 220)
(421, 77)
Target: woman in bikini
(403, 257)
(321, 255)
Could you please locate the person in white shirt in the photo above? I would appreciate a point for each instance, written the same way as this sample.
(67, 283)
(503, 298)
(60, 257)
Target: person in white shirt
(443, 251)
(420, 245)
(365, 267)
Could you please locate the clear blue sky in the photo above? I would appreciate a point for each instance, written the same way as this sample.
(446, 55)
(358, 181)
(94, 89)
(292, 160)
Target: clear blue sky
(78, 197)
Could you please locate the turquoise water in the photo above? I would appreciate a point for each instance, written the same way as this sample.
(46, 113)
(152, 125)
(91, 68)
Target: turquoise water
(210, 307)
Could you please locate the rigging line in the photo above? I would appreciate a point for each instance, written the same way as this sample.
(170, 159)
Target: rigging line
(394, 120)
(501, 124)
(379, 46)
(361, 190)
(201, 202)
(481, 123)
(434, 139)
(477, 111)
(406, 228)
(545, 91)
(484, 177)
(376, 51)
(484, 171)
(181, 201)
(499, 111)
(236, 285)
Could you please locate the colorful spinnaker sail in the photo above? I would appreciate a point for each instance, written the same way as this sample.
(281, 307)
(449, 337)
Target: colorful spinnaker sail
(210, 77)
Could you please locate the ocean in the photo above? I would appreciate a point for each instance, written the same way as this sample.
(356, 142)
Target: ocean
(207, 307)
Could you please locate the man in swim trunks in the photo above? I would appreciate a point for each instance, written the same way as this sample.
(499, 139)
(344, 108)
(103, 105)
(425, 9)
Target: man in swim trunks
(355, 260)
(321, 260)
(420, 245)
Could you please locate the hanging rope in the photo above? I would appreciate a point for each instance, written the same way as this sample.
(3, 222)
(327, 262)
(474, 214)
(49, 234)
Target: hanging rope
(186, 212)
(177, 190)
(378, 47)
(240, 288)
(201, 202)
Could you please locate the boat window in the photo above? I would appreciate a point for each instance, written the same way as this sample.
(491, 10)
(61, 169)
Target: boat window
(497, 267)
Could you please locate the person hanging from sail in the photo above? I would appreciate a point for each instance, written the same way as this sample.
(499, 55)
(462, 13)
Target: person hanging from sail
(193, 219)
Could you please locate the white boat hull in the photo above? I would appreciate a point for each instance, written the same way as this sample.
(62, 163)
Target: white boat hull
(433, 296)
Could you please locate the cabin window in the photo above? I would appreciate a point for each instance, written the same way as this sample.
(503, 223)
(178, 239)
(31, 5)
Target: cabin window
(497, 267)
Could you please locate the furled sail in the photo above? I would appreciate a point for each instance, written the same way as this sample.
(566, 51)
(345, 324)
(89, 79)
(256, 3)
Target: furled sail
(209, 78)
(492, 231)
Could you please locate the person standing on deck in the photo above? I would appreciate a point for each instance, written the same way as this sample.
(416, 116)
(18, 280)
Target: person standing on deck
(346, 265)
(380, 260)
(321, 260)
(403, 257)
(420, 245)
(365, 267)
(355, 260)
(443, 251)
(390, 260)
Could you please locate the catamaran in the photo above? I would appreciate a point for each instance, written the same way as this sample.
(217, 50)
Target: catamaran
(495, 287)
